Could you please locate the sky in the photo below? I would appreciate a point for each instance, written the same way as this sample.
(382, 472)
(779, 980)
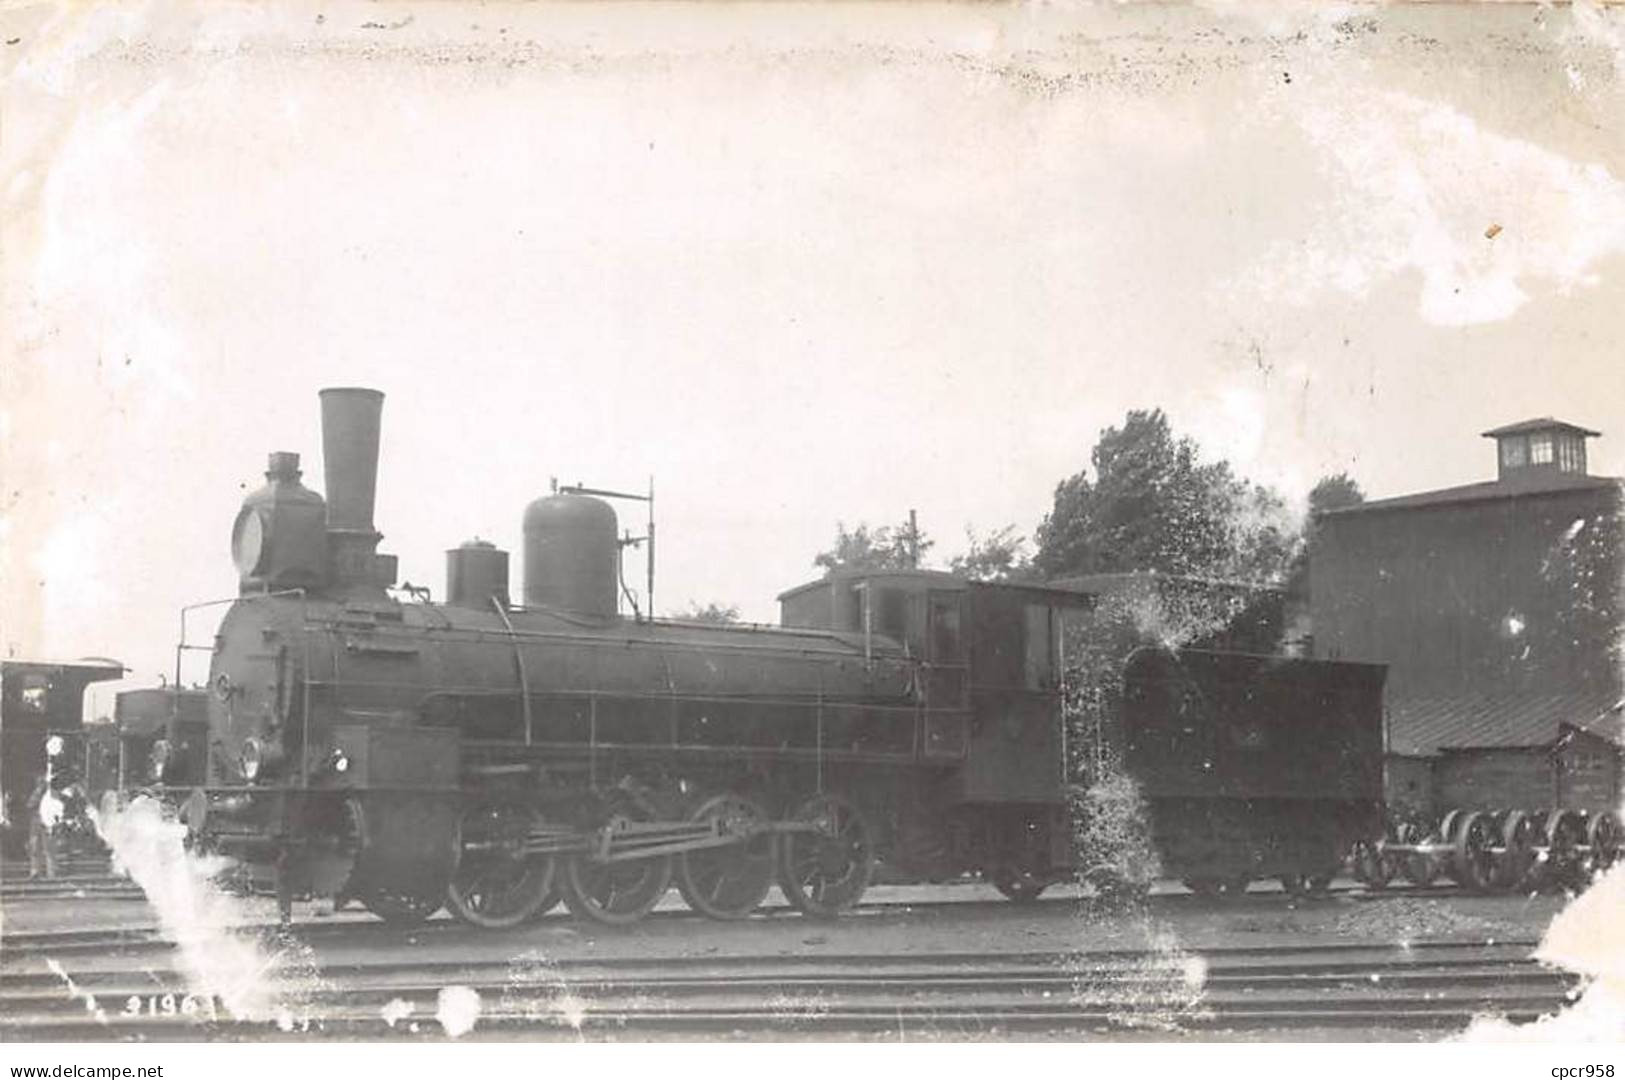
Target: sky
(799, 263)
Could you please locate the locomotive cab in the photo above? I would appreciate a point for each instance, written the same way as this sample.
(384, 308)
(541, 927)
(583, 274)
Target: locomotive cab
(990, 670)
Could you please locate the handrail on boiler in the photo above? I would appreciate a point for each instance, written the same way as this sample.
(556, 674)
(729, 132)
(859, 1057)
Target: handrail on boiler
(519, 660)
(183, 647)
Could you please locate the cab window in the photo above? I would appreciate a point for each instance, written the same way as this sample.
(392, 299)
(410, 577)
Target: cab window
(1040, 658)
(946, 644)
(34, 693)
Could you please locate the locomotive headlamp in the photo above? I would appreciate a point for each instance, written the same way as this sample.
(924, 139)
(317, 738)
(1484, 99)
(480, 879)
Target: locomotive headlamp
(339, 762)
(53, 746)
(252, 758)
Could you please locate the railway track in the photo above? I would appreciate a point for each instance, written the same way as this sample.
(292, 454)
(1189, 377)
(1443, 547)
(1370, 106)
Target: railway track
(1345, 986)
(97, 887)
(109, 887)
(149, 939)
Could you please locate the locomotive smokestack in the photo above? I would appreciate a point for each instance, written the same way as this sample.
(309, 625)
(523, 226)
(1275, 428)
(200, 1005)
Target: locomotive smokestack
(350, 459)
(350, 418)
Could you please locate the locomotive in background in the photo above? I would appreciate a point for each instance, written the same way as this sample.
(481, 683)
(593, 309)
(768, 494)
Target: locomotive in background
(496, 757)
(43, 735)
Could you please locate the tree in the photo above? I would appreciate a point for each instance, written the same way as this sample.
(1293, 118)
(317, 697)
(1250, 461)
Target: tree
(1153, 504)
(1329, 493)
(999, 556)
(713, 613)
(1333, 493)
(885, 548)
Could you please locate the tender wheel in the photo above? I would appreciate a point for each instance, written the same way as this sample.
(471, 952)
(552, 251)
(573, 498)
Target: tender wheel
(1447, 825)
(622, 892)
(1473, 863)
(1116, 890)
(1445, 865)
(495, 886)
(1234, 887)
(729, 882)
(1564, 831)
(823, 873)
(1206, 888)
(1020, 886)
(1516, 869)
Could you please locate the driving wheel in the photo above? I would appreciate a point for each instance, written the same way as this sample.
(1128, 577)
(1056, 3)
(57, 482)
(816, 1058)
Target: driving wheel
(824, 871)
(729, 882)
(621, 891)
(495, 886)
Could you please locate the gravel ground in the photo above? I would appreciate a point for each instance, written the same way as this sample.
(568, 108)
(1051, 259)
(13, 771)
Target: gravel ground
(922, 918)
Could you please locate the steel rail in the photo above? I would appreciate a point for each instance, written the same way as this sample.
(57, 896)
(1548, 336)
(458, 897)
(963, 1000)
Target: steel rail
(1051, 996)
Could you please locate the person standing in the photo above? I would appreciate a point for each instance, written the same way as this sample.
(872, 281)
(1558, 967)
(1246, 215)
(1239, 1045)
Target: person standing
(44, 811)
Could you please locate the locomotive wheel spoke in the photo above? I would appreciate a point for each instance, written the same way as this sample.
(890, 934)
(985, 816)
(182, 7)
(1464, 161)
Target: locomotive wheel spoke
(616, 893)
(823, 873)
(496, 888)
(728, 882)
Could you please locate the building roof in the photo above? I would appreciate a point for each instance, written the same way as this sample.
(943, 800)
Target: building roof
(1539, 423)
(1428, 725)
(1608, 724)
(112, 668)
(1532, 483)
(940, 577)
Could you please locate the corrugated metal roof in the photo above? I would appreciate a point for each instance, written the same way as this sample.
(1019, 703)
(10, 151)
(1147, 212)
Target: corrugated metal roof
(1426, 725)
(1607, 724)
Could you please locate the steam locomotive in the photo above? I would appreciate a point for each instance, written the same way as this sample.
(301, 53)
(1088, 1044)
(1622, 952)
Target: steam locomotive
(497, 757)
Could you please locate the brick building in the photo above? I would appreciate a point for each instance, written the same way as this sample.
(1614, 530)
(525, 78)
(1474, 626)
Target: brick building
(1497, 607)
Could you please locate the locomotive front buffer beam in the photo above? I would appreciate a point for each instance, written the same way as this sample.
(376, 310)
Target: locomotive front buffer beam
(623, 840)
